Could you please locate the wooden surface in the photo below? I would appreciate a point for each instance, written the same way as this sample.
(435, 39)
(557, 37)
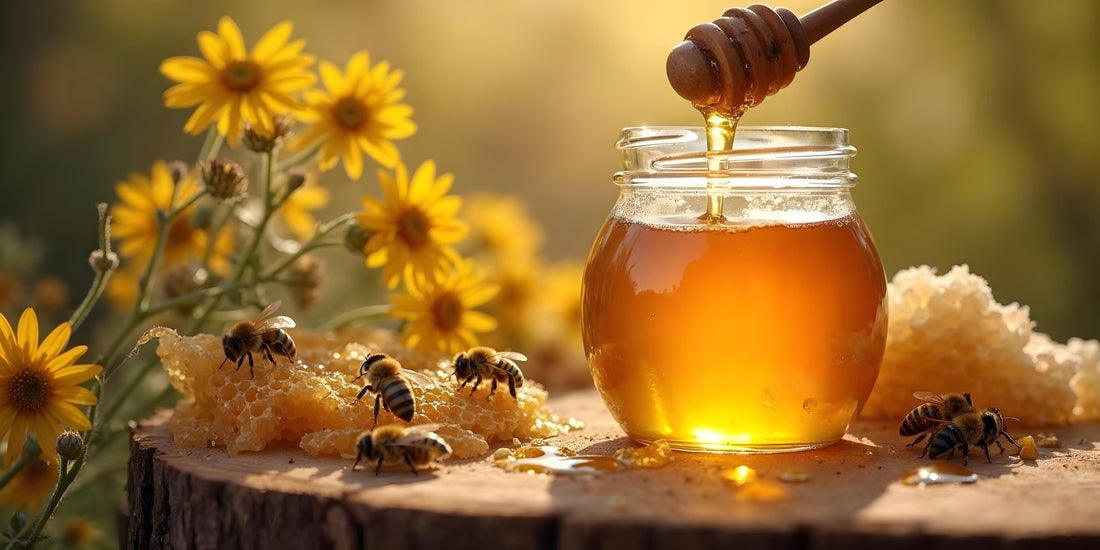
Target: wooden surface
(202, 498)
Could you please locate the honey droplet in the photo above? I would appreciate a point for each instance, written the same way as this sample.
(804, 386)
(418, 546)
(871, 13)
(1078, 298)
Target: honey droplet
(938, 472)
(741, 475)
(557, 460)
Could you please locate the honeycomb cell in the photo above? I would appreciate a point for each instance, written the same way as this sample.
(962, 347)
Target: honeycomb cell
(311, 402)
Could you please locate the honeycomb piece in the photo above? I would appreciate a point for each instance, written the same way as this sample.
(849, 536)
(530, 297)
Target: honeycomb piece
(1047, 440)
(948, 334)
(1028, 451)
(311, 402)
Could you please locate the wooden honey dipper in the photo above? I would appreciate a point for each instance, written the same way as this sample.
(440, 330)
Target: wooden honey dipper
(750, 53)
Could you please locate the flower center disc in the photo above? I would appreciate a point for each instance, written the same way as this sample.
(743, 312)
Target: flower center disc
(180, 233)
(350, 113)
(29, 392)
(447, 312)
(413, 227)
(241, 76)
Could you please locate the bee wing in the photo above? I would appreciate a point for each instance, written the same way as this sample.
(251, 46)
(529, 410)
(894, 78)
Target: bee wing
(424, 427)
(418, 378)
(274, 323)
(268, 311)
(513, 355)
(929, 397)
(414, 435)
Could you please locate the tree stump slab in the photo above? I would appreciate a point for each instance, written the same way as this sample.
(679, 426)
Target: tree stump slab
(283, 498)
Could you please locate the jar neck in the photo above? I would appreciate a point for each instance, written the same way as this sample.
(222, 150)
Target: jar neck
(781, 157)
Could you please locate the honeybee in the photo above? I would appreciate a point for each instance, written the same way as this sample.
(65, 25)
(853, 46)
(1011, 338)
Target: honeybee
(972, 428)
(390, 383)
(484, 362)
(264, 333)
(418, 446)
(925, 418)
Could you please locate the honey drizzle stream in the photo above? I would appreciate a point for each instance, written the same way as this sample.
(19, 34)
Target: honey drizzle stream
(720, 132)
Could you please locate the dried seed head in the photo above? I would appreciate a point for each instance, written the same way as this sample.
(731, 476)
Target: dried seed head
(259, 141)
(224, 178)
(70, 445)
(356, 237)
(180, 281)
(103, 263)
(304, 279)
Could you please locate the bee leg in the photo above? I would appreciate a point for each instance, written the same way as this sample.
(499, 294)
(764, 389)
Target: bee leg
(512, 387)
(464, 382)
(377, 399)
(926, 446)
(476, 384)
(378, 469)
(267, 353)
(1012, 441)
(251, 373)
(408, 460)
(362, 392)
(492, 390)
(917, 440)
(1001, 447)
(966, 453)
(358, 457)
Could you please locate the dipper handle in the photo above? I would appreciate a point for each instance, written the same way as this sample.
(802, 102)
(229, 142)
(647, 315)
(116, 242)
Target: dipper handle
(750, 53)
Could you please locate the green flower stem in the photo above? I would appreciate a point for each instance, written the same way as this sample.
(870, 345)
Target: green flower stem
(23, 460)
(313, 244)
(65, 477)
(101, 275)
(210, 145)
(301, 157)
(357, 314)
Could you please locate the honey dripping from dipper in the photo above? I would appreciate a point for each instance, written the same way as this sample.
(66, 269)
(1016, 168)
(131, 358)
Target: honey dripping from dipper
(733, 63)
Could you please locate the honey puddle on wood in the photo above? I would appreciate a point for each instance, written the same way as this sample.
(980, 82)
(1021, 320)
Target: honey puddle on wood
(549, 459)
(938, 472)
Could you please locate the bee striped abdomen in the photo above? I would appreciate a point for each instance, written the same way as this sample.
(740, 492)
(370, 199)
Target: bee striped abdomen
(921, 419)
(398, 398)
(947, 440)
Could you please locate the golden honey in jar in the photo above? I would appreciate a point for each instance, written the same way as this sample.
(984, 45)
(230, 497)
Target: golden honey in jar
(758, 331)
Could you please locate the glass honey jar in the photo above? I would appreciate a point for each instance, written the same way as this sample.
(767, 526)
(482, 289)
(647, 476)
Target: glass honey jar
(760, 330)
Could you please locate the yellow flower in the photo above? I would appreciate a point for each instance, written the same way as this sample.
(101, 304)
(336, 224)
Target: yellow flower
(361, 112)
(441, 316)
(296, 212)
(234, 87)
(38, 385)
(80, 531)
(30, 487)
(134, 222)
(501, 227)
(519, 283)
(413, 230)
(562, 298)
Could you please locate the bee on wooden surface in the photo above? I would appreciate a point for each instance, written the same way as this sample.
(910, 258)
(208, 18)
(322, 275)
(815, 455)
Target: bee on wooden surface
(390, 384)
(925, 418)
(972, 428)
(481, 362)
(418, 446)
(264, 334)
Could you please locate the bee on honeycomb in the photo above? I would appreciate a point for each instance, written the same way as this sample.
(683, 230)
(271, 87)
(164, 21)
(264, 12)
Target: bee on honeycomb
(312, 403)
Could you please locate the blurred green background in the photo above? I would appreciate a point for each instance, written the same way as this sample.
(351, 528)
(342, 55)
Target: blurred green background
(976, 121)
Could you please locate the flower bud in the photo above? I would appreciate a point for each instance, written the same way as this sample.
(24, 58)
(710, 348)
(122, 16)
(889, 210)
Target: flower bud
(304, 279)
(178, 169)
(70, 445)
(356, 237)
(103, 263)
(259, 141)
(224, 179)
(294, 180)
(182, 280)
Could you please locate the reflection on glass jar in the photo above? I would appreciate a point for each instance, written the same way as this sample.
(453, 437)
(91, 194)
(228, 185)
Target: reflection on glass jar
(759, 332)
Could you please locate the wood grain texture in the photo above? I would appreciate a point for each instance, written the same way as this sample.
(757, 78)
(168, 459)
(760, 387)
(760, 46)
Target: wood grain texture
(283, 498)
